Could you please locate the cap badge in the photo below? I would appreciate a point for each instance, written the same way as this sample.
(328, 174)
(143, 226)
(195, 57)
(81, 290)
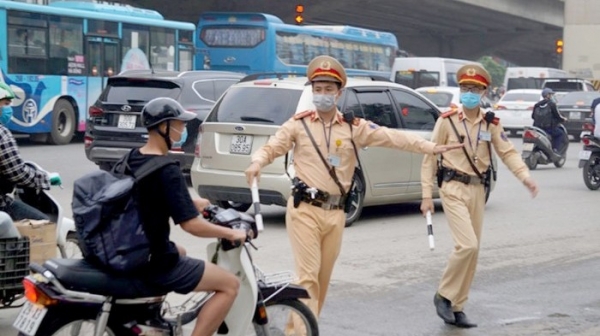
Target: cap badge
(325, 65)
(471, 72)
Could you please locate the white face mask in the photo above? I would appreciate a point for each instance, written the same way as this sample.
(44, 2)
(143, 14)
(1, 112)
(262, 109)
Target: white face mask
(324, 102)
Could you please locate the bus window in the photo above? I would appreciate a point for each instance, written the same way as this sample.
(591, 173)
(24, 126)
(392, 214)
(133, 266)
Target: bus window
(94, 55)
(162, 48)
(27, 43)
(66, 46)
(101, 27)
(135, 36)
(186, 50)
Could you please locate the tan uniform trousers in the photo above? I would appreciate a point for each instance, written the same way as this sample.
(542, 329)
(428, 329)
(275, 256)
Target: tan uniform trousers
(463, 205)
(316, 239)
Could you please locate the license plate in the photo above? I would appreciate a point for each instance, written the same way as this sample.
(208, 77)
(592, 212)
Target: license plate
(127, 121)
(30, 318)
(528, 146)
(585, 155)
(241, 144)
(575, 115)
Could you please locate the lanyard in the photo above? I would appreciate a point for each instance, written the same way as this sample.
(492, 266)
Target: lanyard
(327, 137)
(474, 150)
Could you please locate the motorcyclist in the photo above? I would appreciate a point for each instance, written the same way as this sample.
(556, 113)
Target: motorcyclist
(13, 170)
(164, 195)
(546, 116)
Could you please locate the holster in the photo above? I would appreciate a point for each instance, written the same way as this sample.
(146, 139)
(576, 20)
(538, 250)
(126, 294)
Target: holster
(298, 189)
(348, 202)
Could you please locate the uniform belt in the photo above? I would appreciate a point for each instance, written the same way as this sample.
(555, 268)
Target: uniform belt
(324, 200)
(467, 179)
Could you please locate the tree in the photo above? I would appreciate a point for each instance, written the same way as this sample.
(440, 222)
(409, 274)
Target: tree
(495, 69)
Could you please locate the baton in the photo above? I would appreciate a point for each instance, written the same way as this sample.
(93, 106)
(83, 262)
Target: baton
(256, 203)
(430, 231)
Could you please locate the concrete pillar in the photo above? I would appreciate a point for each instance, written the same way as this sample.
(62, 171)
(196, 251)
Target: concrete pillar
(581, 54)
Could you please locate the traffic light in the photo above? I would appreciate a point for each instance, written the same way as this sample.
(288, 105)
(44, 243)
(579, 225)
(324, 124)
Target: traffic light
(299, 14)
(559, 46)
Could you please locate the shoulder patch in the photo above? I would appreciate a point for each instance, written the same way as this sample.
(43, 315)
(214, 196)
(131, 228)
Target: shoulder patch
(304, 114)
(496, 121)
(449, 113)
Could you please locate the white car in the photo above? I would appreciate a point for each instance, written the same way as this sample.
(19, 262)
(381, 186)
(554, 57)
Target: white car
(515, 107)
(447, 97)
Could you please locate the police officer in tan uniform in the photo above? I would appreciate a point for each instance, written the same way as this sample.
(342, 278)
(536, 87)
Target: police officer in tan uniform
(463, 176)
(316, 223)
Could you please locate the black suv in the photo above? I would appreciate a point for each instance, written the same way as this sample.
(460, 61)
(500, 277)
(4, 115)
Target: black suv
(113, 125)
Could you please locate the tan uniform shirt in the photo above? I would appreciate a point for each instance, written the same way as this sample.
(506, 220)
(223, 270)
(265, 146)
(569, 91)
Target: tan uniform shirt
(310, 168)
(443, 134)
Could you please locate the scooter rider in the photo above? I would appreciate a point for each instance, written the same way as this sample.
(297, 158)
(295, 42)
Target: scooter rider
(163, 195)
(546, 116)
(13, 170)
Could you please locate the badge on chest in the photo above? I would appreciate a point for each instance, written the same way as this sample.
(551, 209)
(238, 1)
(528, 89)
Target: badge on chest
(334, 160)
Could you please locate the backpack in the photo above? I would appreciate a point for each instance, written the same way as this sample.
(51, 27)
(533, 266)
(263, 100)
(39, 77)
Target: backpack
(107, 218)
(542, 116)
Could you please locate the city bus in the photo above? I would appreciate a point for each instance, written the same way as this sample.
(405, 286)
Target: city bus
(262, 43)
(57, 58)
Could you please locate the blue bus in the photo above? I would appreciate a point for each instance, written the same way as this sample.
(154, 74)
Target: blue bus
(257, 43)
(57, 58)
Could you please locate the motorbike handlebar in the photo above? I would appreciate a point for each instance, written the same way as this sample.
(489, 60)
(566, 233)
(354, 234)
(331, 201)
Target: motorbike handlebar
(232, 219)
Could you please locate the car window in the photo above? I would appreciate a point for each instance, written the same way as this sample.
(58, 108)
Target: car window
(205, 89)
(528, 97)
(378, 108)
(256, 105)
(352, 105)
(579, 98)
(126, 90)
(451, 78)
(221, 85)
(441, 99)
(415, 112)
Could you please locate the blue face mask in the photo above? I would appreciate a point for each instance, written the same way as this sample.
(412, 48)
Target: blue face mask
(178, 144)
(470, 100)
(7, 112)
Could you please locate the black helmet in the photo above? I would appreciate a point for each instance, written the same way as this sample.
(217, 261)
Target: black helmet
(161, 109)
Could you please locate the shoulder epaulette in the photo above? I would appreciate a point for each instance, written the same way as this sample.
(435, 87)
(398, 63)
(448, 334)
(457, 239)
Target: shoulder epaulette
(449, 113)
(304, 114)
(496, 121)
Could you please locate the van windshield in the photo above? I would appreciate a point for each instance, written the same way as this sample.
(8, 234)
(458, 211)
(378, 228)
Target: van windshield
(564, 86)
(417, 79)
(524, 83)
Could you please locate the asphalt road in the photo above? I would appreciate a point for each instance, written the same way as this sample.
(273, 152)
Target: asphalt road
(537, 272)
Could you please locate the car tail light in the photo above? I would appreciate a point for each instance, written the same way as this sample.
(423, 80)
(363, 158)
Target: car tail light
(586, 141)
(35, 295)
(588, 127)
(87, 141)
(198, 142)
(529, 134)
(500, 107)
(95, 111)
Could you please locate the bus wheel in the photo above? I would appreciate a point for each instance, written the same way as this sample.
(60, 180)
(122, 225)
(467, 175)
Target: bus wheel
(63, 123)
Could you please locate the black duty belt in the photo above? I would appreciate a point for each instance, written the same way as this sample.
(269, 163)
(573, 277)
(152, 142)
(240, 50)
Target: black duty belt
(453, 175)
(322, 199)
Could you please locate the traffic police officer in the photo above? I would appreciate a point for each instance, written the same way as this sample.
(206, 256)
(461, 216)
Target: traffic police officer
(315, 224)
(462, 190)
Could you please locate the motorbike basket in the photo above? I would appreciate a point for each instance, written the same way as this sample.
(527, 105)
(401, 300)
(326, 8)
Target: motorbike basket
(14, 266)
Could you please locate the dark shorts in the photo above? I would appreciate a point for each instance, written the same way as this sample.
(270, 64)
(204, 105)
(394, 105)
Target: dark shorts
(181, 279)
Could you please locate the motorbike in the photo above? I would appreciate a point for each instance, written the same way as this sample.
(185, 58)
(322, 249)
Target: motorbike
(589, 159)
(15, 252)
(71, 296)
(537, 148)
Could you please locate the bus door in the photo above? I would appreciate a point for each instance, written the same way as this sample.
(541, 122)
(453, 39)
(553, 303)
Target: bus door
(103, 58)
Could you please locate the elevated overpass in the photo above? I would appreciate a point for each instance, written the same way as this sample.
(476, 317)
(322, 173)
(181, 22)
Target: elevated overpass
(520, 31)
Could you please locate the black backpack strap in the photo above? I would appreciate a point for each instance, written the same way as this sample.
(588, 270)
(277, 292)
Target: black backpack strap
(151, 166)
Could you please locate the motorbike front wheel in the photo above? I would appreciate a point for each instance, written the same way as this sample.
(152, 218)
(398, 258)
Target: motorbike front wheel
(71, 323)
(591, 172)
(282, 313)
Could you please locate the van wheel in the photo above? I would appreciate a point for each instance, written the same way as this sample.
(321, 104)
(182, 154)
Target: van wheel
(63, 123)
(237, 206)
(357, 201)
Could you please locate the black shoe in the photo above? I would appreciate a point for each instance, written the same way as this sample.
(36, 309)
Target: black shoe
(443, 308)
(462, 321)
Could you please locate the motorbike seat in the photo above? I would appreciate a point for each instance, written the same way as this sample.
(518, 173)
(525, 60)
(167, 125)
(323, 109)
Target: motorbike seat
(81, 276)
